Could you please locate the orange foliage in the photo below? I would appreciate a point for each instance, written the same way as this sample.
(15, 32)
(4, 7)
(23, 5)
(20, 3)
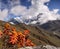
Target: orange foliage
(29, 43)
(7, 25)
(26, 32)
(21, 39)
(1, 33)
(13, 37)
(7, 29)
(18, 38)
(13, 29)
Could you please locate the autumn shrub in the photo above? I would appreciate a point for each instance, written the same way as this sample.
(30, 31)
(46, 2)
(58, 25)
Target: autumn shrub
(17, 38)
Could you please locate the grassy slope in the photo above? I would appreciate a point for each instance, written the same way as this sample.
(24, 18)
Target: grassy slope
(37, 35)
(40, 36)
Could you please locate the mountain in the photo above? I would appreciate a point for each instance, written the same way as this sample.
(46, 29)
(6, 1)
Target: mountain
(18, 20)
(52, 25)
(38, 35)
(14, 21)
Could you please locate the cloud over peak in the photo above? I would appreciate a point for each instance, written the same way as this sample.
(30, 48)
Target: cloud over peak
(33, 14)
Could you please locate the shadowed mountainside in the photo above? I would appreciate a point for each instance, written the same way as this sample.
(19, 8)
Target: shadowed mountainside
(52, 26)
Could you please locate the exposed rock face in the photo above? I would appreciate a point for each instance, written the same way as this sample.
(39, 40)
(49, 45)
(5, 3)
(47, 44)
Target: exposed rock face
(41, 47)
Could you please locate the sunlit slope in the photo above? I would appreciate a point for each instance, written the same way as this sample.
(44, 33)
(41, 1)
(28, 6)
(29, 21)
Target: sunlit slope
(37, 35)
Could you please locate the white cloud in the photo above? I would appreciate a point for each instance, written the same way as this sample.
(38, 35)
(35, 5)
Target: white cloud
(55, 11)
(36, 8)
(31, 13)
(18, 10)
(3, 14)
(47, 14)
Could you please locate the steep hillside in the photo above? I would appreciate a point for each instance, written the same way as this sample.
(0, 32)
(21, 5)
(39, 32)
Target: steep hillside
(37, 35)
(52, 25)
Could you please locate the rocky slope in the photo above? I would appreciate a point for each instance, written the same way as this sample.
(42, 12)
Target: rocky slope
(52, 26)
(38, 35)
(41, 47)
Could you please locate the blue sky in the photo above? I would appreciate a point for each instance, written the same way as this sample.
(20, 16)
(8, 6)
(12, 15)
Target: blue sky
(54, 4)
(25, 8)
(26, 3)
